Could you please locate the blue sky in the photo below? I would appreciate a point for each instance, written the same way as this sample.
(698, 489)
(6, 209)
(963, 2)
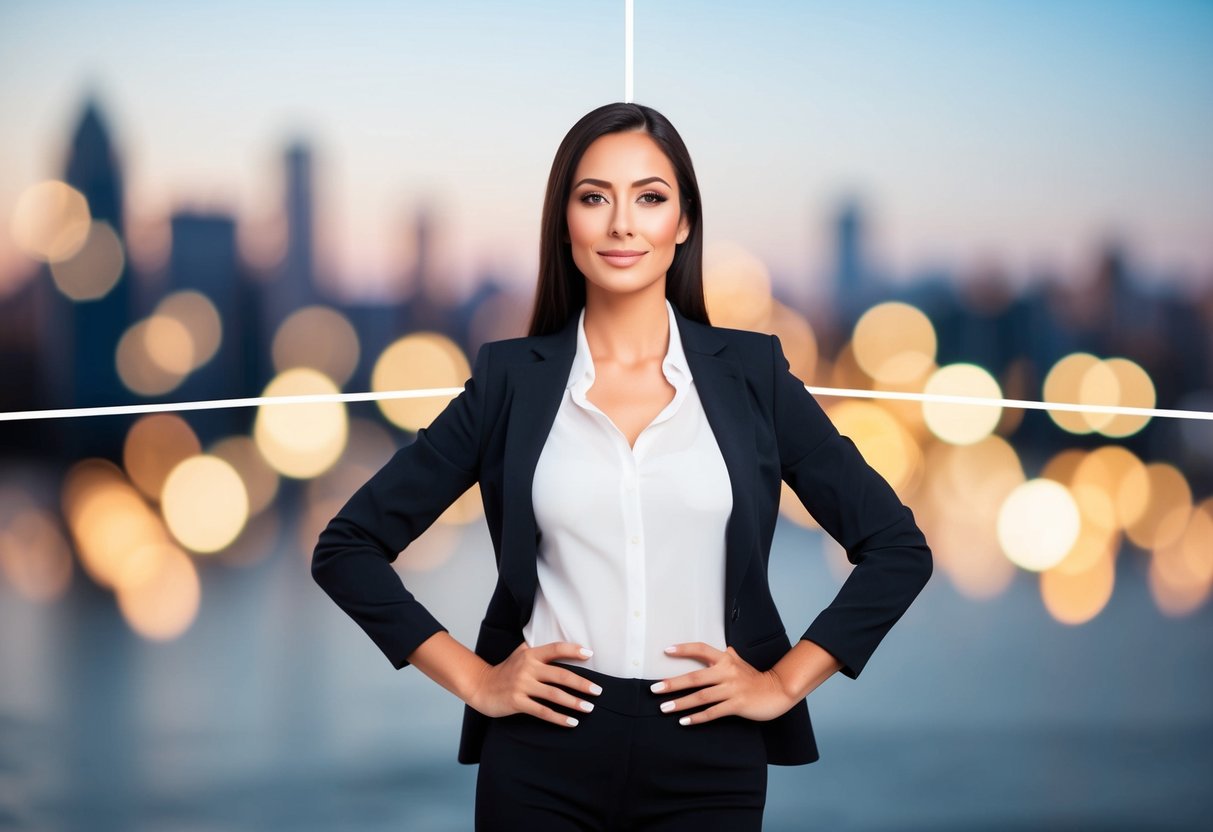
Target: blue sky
(1025, 131)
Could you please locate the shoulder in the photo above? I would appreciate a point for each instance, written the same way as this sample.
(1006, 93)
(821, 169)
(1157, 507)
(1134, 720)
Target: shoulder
(753, 349)
(506, 351)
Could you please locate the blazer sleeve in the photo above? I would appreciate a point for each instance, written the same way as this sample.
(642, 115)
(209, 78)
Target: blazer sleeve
(858, 508)
(353, 555)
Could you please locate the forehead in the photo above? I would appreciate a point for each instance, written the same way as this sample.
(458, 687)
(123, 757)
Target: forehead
(622, 158)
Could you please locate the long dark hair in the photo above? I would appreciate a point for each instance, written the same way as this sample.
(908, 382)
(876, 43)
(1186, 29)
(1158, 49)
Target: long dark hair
(561, 289)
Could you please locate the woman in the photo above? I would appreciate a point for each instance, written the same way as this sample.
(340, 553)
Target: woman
(631, 671)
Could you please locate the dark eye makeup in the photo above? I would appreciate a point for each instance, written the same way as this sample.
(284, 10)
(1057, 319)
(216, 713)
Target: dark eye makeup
(657, 198)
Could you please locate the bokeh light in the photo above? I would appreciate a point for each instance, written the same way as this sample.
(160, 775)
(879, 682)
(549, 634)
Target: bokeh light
(965, 488)
(1037, 524)
(797, 338)
(894, 342)
(1165, 513)
(137, 368)
(260, 480)
(95, 268)
(1098, 386)
(1135, 390)
(884, 443)
(962, 424)
(1118, 473)
(113, 529)
(154, 445)
(50, 221)
(1181, 572)
(1082, 378)
(204, 502)
(1075, 597)
(34, 555)
(198, 316)
(736, 286)
(318, 337)
(169, 345)
(165, 602)
(419, 360)
(1063, 385)
(301, 440)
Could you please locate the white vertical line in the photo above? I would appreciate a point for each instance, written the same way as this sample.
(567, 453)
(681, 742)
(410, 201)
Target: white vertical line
(627, 51)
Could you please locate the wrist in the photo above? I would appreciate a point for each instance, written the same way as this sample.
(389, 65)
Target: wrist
(783, 686)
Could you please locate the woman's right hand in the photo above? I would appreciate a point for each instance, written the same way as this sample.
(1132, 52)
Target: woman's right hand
(514, 685)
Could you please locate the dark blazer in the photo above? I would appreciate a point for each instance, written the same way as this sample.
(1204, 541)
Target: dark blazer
(769, 428)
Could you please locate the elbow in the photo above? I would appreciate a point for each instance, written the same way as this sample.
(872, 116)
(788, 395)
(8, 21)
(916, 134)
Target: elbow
(320, 557)
(327, 549)
(926, 563)
(923, 559)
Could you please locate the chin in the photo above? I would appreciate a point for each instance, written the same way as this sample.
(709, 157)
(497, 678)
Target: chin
(622, 284)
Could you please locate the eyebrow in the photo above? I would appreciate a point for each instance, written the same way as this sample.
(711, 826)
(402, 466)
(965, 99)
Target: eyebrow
(602, 183)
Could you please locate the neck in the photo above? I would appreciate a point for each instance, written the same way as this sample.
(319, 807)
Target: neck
(627, 328)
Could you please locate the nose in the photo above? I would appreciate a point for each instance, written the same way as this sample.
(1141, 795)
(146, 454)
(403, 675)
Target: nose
(621, 220)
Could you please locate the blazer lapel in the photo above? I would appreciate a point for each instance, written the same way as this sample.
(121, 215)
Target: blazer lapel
(722, 390)
(534, 392)
(533, 395)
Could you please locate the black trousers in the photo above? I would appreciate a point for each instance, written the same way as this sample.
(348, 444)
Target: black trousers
(626, 766)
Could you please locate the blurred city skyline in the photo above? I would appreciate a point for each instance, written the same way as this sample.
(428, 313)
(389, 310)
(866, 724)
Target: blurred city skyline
(232, 200)
(1021, 136)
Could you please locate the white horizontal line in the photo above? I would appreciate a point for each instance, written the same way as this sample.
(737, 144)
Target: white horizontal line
(1021, 404)
(422, 393)
(218, 404)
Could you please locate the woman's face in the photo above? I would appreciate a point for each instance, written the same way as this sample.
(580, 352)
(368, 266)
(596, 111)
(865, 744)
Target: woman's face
(624, 199)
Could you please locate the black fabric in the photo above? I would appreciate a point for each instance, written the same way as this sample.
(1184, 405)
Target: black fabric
(625, 766)
(770, 430)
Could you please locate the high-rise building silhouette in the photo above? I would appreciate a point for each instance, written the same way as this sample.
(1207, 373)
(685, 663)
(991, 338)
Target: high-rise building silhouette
(205, 259)
(80, 339)
(851, 278)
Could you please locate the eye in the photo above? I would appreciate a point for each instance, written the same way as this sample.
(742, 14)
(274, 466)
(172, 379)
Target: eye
(587, 198)
(657, 198)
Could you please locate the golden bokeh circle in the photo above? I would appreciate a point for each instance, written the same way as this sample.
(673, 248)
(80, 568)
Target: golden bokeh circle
(50, 221)
(962, 424)
(204, 503)
(417, 361)
(318, 337)
(163, 605)
(894, 342)
(1038, 524)
(153, 447)
(301, 440)
(95, 268)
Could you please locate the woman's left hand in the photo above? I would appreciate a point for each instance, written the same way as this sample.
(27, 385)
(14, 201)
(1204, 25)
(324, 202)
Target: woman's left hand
(732, 683)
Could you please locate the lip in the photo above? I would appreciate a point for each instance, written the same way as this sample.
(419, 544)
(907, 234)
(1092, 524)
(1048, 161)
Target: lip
(622, 258)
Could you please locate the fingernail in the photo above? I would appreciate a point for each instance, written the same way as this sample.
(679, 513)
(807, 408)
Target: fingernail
(686, 720)
(586, 706)
(667, 706)
(671, 649)
(595, 689)
(571, 720)
(657, 687)
(587, 652)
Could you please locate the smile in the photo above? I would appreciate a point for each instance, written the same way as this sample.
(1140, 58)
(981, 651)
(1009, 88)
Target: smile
(622, 260)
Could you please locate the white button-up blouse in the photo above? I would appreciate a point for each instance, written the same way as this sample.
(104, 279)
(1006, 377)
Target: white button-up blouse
(632, 540)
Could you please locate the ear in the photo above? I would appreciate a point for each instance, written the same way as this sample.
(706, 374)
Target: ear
(684, 230)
